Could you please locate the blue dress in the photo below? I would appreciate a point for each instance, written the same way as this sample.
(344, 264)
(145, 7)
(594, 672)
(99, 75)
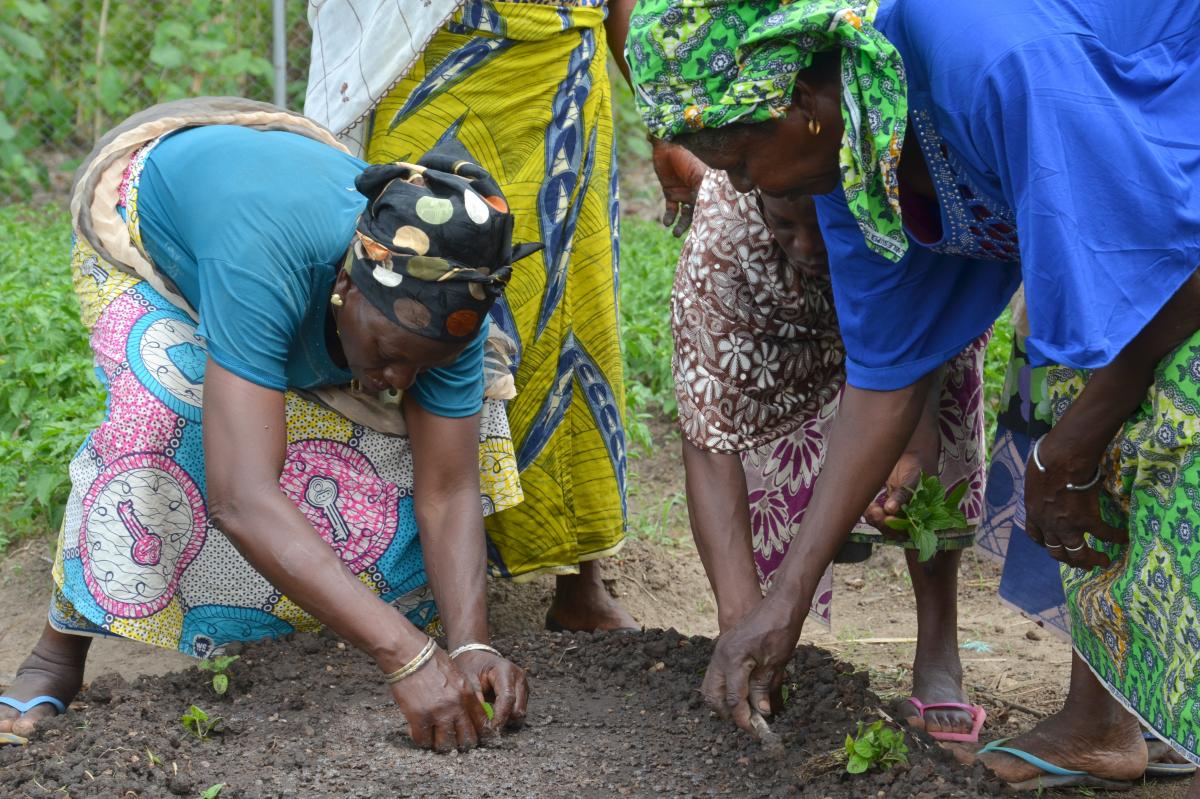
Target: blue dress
(1062, 140)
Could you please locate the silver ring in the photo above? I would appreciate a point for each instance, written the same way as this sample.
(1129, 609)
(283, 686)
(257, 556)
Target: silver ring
(1076, 549)
(1054, 546)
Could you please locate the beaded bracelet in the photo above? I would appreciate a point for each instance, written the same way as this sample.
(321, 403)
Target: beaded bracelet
(411, 667)
(474, 647)
(1037, 461)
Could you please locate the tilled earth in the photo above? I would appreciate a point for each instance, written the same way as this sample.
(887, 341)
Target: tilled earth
(610, 715)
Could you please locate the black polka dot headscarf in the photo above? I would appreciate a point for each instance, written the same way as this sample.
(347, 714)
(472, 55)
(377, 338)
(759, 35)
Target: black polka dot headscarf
(433, 249)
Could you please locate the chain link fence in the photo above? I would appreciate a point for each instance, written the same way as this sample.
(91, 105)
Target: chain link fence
(70, 69)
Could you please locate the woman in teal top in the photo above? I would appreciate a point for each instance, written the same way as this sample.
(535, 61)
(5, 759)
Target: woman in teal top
(223, 498)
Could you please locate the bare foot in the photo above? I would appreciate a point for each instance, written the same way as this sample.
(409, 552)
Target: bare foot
(1113, 750)
(54, 668)
(582, 603)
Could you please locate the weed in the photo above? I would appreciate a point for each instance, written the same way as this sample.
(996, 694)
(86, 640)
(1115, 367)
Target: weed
(48, 399)
(655, 524)
(995, 373)
(648, 257)
(199, 723)
(154, 759)
(874, 745)
(212, 791)
(219, 666)
(930, 509)
(786, 690)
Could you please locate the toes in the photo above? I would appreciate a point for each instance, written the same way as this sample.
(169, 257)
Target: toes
(908, 711)
(24, 726)
(948, 721)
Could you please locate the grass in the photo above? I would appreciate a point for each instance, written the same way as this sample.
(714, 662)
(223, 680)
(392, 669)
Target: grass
(49, 398)
(648, 257)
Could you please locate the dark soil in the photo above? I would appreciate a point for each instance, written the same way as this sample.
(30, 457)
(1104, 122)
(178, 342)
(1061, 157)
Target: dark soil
(610, 715)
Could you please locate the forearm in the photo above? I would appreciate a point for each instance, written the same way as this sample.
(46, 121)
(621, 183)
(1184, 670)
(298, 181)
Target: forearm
(720, 516)
(1114, 392)
(453, 543)
(870, 433)
(278, 541)
(616, 28)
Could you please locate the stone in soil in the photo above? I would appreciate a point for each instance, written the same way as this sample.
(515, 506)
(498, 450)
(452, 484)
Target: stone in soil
(609, 715)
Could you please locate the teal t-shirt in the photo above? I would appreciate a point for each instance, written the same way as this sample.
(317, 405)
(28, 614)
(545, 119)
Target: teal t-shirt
(251, 226)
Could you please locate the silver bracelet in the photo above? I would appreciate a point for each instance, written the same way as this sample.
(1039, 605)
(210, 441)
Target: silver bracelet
(411, 667)
(474, 647)
(1037, 461)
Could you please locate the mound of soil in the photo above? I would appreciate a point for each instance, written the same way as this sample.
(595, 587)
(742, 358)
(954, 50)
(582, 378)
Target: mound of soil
(610, 715)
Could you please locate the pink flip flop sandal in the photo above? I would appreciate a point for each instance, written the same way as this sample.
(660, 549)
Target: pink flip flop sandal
(978, 717)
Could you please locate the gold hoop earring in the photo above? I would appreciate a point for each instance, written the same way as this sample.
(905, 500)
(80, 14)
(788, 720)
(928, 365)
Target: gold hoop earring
(814, 125)
(336, 300)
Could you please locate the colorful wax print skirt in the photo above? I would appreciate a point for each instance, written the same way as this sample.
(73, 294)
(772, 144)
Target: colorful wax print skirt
(138, 554)
(1137, 623)
(524, 87)
(759, 371)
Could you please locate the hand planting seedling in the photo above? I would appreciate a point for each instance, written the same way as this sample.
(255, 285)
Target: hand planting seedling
(875, 745)
(199, 723)
(219, 666)
(929, 510)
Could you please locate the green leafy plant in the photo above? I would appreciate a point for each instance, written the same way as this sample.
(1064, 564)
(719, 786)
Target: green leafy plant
(199, 723)
(212, 791)
(931, 509)
(874, 745)
(647, 267)
(219, 666)
(49, 397)
(489, 711)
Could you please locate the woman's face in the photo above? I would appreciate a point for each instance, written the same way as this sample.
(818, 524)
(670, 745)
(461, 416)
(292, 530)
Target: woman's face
(781, 157)
(381, 355)
(793, 223)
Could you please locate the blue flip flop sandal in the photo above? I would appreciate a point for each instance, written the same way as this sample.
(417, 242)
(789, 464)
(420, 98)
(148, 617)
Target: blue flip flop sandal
(1155, 769)
(8, 738)
(1055, 776)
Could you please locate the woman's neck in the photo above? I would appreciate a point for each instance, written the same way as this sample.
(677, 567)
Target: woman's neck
(333, 343)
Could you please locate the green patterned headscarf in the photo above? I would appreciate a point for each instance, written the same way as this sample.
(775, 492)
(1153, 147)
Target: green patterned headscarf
(710, 63)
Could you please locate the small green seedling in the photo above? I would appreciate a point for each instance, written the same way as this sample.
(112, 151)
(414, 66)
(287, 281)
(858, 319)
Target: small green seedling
(931, 509)
(199, 723)
(155, 760)
(212, 791)
(875, 745)
(488, 711)
(219, 666)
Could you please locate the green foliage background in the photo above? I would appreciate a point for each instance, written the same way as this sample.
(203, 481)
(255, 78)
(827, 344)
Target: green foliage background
(49, 397)
(69, 69)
